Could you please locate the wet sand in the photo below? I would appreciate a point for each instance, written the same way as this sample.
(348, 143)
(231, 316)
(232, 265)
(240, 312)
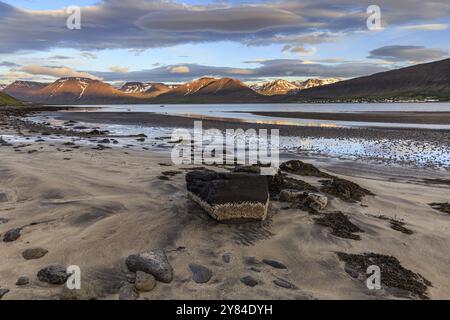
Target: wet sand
(386, 117)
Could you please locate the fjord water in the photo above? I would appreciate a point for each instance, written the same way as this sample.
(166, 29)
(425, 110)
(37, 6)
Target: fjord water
(243, 112)
(403, 149)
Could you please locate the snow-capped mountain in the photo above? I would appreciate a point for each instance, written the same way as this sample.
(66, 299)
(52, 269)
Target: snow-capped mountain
(23, 89)
(282, 87)
(276, 87)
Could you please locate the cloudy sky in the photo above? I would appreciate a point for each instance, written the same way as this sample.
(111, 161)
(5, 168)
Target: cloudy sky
(253, 40)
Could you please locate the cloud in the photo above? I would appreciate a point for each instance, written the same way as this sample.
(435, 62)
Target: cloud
(412, 54)
(426, 27)
(57, 72)
(89, 55)
(59, 57)
(302, 50)
(142, 24)
(9, 64)
(179, 69)
(119, 69)
(225, 20)
(264, 69)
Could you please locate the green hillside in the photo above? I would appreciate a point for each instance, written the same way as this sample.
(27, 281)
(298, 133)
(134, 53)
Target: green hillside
(6, 100)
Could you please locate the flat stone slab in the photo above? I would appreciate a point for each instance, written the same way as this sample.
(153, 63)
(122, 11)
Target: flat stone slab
(200, 274)
(229, 196)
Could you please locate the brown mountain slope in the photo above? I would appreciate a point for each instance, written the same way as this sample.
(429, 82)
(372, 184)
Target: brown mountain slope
(211, 90)
(23, 90)
(420, 81)
(78, 91)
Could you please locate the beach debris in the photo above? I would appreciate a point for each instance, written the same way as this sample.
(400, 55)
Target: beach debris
(200, 274)
(393, 274)
(53, 274)
(12, 235)
(154, 262)
(229, 196)
(274, 264)
(396, 224)
(303, 169)
(284, 283)
(128, 292)
(306, 200)
(249, 281)
(443, 207)
(280, 181)
(345, 190)
(144, 282)
(34, 253)
(226, 257)
(3, 291)
(340, 225)
(314, 201)
(22, 281)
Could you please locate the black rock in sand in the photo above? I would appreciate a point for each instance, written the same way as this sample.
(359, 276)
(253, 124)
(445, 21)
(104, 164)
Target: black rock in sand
(154, 262)
(229, 196)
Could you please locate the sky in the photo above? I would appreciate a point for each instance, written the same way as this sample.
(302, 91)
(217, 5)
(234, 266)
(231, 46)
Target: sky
(254, 40)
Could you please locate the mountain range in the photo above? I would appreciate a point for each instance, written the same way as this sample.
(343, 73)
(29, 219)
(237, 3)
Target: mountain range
(424, 81)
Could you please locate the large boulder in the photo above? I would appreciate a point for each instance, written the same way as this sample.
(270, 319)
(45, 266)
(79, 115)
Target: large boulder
(154, 262)
(229, 196)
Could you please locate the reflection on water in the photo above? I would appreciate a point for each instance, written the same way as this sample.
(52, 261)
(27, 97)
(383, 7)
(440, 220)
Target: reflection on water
(399, 151)
(243, 112)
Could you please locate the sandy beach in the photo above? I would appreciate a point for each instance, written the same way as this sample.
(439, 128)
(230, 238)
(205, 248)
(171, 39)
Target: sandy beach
(93, 208)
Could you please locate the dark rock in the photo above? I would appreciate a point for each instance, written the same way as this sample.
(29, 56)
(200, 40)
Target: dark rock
(3, 220)
(153, 262)
(345, 190)
(284, 283)
(3, 292)
(249, 281)
(22, 281)
(12, 235)
(128, 292)
(254, 269)
(54, 274)
(200, 274)
(247, 169)
(251, 261)
(340, 225)
(274, 264)
(304, 169)
(393, 274)
(3, 197)
(351, 272)
(34, 253)
(229, 196)
(226, 257)
(144, 282)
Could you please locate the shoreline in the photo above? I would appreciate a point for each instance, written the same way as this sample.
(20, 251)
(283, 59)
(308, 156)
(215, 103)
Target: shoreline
(419, 117)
